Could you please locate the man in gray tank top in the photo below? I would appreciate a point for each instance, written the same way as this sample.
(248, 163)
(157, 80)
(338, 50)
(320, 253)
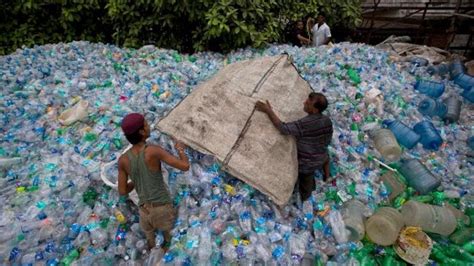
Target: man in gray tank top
(140, 169)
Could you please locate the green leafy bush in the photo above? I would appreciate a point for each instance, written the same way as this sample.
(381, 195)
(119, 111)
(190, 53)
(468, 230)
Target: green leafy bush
(184, 25)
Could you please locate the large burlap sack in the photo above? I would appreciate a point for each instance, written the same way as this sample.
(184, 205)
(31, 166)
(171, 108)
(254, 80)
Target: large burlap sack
(219, 118)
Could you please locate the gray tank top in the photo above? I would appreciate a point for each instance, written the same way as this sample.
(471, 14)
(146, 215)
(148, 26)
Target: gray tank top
(150, 185)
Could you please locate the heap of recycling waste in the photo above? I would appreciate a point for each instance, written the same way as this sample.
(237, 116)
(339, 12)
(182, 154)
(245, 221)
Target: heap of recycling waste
(401, 158)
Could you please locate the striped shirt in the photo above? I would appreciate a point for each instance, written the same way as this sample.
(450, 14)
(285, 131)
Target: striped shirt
(313, 134)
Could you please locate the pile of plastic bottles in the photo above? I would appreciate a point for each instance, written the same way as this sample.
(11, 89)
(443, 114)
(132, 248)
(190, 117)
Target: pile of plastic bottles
(402, 150)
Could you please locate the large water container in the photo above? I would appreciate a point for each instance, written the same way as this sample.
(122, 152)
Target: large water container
(441, 69)
(430, 218)
(384, 226)
(431, 88)
(464, 80)
(405, 135)
(430, 137)
(353, 216)
(453, 106)
(456, 68)
(431, 107)
(418, 176)
(386, 143)
(468, 94)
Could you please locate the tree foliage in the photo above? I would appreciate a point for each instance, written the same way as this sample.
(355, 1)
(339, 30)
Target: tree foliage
(184, 25)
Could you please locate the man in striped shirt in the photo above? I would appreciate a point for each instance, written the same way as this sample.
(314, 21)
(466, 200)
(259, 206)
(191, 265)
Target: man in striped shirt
(313, 134)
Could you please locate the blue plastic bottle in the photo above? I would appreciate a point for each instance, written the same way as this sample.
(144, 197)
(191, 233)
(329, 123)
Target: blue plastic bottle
(470, 142)
(404, 135)
(418, 176)
(456, 68)
(468, 94)
(431, 88)
(431, 107)
(430, 137)
(441, 69)
(464, 80)
(453, 107)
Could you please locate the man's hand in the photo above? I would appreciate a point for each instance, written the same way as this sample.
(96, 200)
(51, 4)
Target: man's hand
(263, 106)
(178, 144)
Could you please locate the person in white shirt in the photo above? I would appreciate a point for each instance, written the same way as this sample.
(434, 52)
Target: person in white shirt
(321, 32)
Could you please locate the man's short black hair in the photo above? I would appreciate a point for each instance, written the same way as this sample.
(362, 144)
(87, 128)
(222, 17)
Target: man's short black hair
(135, 137)
(322, 14)
(320, 101)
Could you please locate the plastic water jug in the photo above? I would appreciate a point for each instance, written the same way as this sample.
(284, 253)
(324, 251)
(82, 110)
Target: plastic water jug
(386, 143)
(431, 88)
(394, 185)
(353, 216)
(456, 68)
(405, 135)
(453, 106)
(431, 107)
(441, 69)
(464, 80)
(384, 226)
(430, 218)
(468, 94)
(430, 137)
(418, 176)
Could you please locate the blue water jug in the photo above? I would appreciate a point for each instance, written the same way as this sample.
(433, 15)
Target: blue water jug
(470, 142)
(418, 176)
(453, 107)
(430, 137)
(441, 69)
(464, 80)
(456, 68)
(404, 135)
(431, 88)
(431, 107)
(468, 94)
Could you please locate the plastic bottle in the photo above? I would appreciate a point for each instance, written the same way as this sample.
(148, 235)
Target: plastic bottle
(431, 108)
(468, 94)
(338, 228)
(441, 69)
(7, 162)
(418, 176)
(384, 226)
(405, 136)
(386, 143)
(431, 88)
(464, 80)
(456, 68)
(430, 218)
(462, 236)
(453, 107)
(353, 216)
(394, 185)
(430, 137)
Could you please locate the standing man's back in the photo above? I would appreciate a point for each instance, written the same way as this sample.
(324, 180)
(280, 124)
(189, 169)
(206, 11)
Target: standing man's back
(313, 134)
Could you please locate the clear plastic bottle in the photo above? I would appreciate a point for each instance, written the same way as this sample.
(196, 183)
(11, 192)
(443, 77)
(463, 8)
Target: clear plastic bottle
(386, 144)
